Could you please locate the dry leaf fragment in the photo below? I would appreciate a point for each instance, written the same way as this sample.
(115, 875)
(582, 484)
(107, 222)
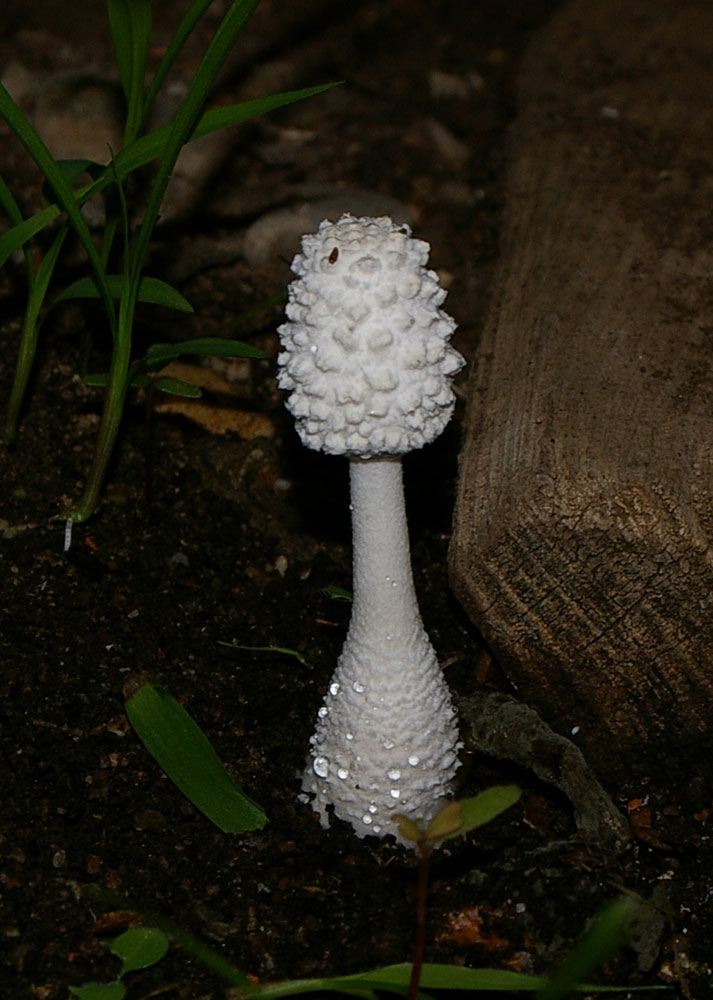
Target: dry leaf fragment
(465, 928)
(218, 419)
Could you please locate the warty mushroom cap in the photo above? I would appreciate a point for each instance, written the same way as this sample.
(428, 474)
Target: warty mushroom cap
(366, 357)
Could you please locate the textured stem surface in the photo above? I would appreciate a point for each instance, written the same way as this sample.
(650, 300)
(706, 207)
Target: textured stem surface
(385, 609)
(386, 736)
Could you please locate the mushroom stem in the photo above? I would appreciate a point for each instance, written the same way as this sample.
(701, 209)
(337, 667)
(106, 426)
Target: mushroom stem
(385, 614)
(386, 737)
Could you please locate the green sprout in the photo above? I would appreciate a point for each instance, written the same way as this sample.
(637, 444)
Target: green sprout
(455, 819)
(119, 293)
(138, 948)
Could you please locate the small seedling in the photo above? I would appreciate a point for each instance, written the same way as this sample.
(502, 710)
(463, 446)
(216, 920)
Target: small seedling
(455, 819)
(138, 948)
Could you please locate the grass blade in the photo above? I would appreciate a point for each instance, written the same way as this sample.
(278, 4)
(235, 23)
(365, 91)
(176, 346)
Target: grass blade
(16, 237)
(148, 148)
(72, 169)
(183, 751)
(177, 387)
(37, 290)
(63, 192)
(7, 201)
(210, 347)
(152, 145)
(24, 229)
(151, 290)
(183, 32)
(99, 991)
(605, 936)
(130, 26)
(395, 979)
(282, 650)
(184, 124)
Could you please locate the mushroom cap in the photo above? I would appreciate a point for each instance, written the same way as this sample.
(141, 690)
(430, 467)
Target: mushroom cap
(365, 356)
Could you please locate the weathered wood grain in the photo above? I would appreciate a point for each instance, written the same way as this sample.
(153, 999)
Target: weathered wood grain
(582, 538)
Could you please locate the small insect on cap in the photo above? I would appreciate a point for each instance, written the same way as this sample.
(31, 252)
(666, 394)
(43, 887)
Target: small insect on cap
(365, 356)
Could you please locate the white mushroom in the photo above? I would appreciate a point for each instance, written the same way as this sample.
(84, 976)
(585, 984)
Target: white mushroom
(368, 366)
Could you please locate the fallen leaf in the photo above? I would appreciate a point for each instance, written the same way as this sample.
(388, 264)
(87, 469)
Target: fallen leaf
(465, 928)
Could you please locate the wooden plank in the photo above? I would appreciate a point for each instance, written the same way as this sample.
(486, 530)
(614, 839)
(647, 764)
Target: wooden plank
(582, 538)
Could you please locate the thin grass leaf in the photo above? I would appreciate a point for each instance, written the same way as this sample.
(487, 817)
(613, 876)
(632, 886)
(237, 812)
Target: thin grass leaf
(212, 347)
(177, 387)
(282, 650)
(446, 977)
(456, 977)
(24, 229)
(606, 935)
(152, 145)
(120, 363)
(181, 748)
(72, 169)
(7, 201)
(180, 36)
(151, 290)
(100, 380)
(119, 15)
(130, 26)
(38, 284)
(139, 948)
(395, 979)
(23, 232)
(180, 130)
(235, 114)
(149, 147)
(128, 294)
(220, 347)
(63, 192)
(99, 991)
(159, 355)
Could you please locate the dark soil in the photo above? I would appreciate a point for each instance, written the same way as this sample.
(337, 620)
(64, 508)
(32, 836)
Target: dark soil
(228, 539)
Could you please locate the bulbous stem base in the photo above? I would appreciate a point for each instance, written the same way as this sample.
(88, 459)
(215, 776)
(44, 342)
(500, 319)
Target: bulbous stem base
(386, 740)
